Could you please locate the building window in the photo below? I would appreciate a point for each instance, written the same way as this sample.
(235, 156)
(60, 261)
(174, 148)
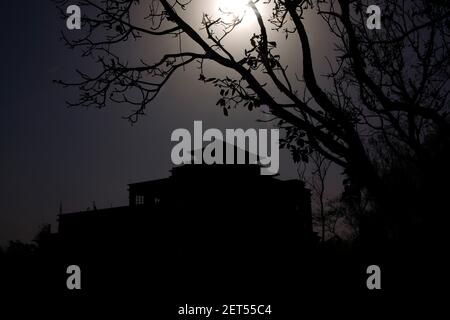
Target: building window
(139, 200)
(157, 200)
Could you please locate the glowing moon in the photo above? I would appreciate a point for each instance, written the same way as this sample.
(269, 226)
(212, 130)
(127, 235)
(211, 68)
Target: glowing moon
(232, 10)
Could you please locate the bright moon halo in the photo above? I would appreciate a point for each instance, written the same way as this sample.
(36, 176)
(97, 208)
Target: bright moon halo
(232, 10)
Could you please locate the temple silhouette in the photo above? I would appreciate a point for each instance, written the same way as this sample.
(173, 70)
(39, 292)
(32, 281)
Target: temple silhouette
(201, 219)
(206, 199)
(198, 201)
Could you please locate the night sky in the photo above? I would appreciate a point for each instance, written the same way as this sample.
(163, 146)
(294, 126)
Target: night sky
(52, 154)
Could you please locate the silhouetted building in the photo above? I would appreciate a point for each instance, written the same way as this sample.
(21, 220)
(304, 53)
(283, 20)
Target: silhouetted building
(201, 220)
(223, 222)
(215, 197)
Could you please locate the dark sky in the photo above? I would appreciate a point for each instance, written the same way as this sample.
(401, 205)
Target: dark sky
(51, 154)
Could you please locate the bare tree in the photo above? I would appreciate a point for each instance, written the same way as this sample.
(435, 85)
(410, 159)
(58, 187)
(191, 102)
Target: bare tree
(319, 168)
(392, 84)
